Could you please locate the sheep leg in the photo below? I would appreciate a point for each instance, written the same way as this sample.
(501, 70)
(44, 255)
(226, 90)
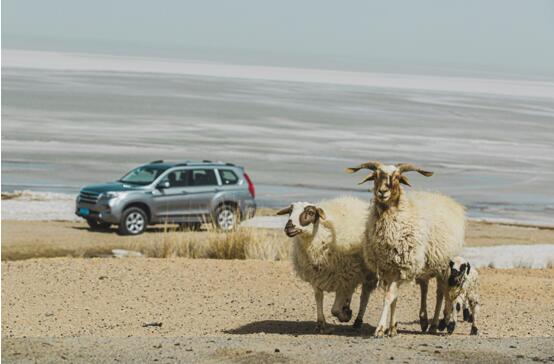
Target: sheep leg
(341, 307)
(367, 287)
(321, 326)
(393, 324)
(449, 314)
(467, 312)
(423, 319)
(391, 293)
(474, 307)
(438, 306)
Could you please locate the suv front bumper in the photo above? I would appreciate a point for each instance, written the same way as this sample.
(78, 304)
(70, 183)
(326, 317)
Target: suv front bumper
(101, 211)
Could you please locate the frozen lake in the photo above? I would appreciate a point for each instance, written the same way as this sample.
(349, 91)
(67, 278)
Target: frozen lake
(71, 120)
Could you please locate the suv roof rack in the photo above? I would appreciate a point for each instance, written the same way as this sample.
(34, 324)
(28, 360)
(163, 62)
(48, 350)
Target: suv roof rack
(182, 164)
(157, 161)
(230, 164)
(206, 161)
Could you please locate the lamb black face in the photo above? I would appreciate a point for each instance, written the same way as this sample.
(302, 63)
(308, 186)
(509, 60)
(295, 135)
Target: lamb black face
(456, 275)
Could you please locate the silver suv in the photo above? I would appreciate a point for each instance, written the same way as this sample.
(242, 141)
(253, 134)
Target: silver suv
(187, 194)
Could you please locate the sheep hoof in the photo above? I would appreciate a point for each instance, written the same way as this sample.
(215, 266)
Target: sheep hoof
(358, 323)
(458, 306)
(322, 328)
(442, 325)
(467, 315)
(451, 326)
(474, 331)
(433, 329)
(379, 333)
(392, 331)
(424, 323)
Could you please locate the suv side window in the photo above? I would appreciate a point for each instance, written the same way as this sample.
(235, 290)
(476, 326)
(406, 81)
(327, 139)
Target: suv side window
(203, 177)
(228, 177)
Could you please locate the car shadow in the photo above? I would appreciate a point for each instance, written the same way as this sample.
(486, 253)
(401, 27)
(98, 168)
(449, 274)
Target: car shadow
(153, 230)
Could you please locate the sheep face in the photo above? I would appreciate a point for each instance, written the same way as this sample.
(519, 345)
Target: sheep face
(386, 184)
(458, 270)
(387, 179)
(303, 218)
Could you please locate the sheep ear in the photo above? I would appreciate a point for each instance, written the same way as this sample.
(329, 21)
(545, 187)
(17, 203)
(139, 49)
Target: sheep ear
(404, 180)
(321, 213)
(468, 268)
(451, 264)
(370, 177)
(284, 211)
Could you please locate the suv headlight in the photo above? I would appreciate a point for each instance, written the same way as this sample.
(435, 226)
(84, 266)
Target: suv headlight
(110, 195)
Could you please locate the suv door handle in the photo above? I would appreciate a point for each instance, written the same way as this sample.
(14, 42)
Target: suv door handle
(184, 192)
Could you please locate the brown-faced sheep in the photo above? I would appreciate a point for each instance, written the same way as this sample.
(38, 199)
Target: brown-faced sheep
(409, 236)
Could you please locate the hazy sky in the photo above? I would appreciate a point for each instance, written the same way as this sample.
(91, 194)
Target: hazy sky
(508, 37)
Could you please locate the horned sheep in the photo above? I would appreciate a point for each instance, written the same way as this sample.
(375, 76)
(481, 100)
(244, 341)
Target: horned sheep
(409, 237)
(327, 253)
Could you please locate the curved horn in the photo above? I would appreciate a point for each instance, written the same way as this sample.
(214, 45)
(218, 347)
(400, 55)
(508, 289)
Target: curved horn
(408, 167)
(369, 177)
(284, 211)
(373, 165)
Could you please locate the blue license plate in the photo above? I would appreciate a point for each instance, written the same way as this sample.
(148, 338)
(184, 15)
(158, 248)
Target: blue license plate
(84, 211)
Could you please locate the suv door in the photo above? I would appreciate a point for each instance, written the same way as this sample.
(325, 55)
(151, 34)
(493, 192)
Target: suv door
(202, 186)
(170, 203)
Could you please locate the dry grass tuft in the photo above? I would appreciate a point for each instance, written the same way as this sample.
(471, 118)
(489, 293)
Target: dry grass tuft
(244, 243)
(163, 242)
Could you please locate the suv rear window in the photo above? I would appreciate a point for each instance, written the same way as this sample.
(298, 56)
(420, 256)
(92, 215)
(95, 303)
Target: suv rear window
(228, 177)
(203, 177)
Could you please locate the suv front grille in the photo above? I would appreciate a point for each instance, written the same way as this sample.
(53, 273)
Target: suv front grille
(88, 197)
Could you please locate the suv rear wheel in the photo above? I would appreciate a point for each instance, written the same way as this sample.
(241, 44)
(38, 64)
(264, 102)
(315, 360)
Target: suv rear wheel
(98, 225)
(133, 221)
(226, 218)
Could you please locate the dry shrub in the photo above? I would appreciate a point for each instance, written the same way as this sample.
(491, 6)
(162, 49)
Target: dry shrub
(243, 243)
(73, 240)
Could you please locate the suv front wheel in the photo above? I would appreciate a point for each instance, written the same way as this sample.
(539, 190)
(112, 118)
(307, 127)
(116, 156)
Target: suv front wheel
(226, 218)
(133, 221)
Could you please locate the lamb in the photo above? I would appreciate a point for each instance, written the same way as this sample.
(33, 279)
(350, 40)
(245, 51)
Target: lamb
(327, 253)
(409, 236)
(463, 286)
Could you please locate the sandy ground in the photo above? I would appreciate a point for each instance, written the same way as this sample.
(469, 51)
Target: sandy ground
(246, 312)
(24, 239)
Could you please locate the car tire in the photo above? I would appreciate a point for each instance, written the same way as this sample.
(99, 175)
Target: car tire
(226, 218)
(98, 225)
(133, 221)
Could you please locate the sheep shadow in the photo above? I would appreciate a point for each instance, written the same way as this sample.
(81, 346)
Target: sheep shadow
(297, 328)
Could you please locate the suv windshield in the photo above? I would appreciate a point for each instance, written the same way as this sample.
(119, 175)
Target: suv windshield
(143, 175)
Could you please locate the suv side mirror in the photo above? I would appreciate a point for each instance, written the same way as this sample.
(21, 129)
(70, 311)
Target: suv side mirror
(163, 185)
